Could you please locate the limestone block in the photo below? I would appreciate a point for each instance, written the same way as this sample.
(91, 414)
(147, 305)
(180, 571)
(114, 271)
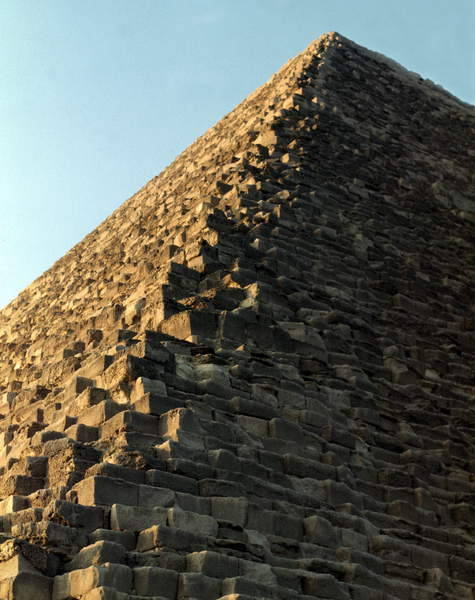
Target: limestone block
(151, 496)
(156, 404)
(324, 585)
(160, 536)
(194, 522)
(195, 585)
(233, 510)
(18, 556)
(26, 586)
(99, 413)
(179, 418)
(219, 487)
(128, 368)
(127, 539)
(253, 425)
(74, 515)
(155, 581)
(321, 532)
(281, 428)
(354, 540)
(123, 517)
(212, 564)
(186, 324)
(258, 572)
(105, 491)
(339, 493)
(243, 587)
(82, 433)
(12, 504)
(63, 539)
(129, 420)
(109, 469)
(77, 583)
(97, 553)
(143, 386)
(20, 485)
(173, 481)
(77, 385)
(108, 593)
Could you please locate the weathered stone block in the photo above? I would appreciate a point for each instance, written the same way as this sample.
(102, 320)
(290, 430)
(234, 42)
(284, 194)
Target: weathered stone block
(233, 510)
(151, 496)
(75, 515)
(154, 581)
(156, 404)
(136, 518)
(194, 522)
(77, 583)
(130, 420)
(143, 386)
(196, 585)
(173, 481)
(160, 536)
(26, 586)
(213, 564)
(105, 491)
(97, 553)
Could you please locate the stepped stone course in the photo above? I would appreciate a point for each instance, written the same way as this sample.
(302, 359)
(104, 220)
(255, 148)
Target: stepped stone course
(255, 379)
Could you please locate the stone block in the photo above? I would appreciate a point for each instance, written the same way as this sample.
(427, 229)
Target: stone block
(160, 536)
(192, 586)
(143, 386)
(190, 521)
(136, 518)
(97, 490)
(26, 586)
(75, 515)
(123, 371)
(99, 413)
(130, 420)
(173, 481)
(127, 539)
(12, 504)
(83, 433)
(77, 583)
(108, 469)
(150, 496)
(324, 585)
(155, 581)
(280, 428)
(188, 323)
(63, 539)
(219, 487)
(353, 539)
(321, 532)
(156, 404)
(233, 510)
(97, 553)
(212, 564)
(108, 593)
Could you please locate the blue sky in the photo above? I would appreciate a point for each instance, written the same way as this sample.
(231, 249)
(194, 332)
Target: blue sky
(97, 97)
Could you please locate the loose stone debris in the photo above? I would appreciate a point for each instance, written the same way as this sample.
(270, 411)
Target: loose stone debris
(255, 379)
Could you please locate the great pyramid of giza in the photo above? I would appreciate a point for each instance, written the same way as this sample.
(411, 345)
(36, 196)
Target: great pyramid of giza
(255, 379)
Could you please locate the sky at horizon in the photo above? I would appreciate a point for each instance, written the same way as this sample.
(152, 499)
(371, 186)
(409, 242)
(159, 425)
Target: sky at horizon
(97, 97)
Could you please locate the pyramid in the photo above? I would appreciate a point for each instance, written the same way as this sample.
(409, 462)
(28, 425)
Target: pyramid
(255, 379)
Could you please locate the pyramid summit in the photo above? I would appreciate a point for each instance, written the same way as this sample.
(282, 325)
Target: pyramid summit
(255, 379)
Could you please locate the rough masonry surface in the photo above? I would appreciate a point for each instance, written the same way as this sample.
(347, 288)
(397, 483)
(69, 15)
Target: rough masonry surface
(255, 379)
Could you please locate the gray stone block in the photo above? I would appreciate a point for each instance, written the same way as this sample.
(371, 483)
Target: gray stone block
(97, 553)
(136, 518)
(154, 581)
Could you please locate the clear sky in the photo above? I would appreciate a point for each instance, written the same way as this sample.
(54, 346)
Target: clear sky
(98, 96)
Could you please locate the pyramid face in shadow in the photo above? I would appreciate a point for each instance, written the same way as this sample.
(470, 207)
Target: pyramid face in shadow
(255, 379)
